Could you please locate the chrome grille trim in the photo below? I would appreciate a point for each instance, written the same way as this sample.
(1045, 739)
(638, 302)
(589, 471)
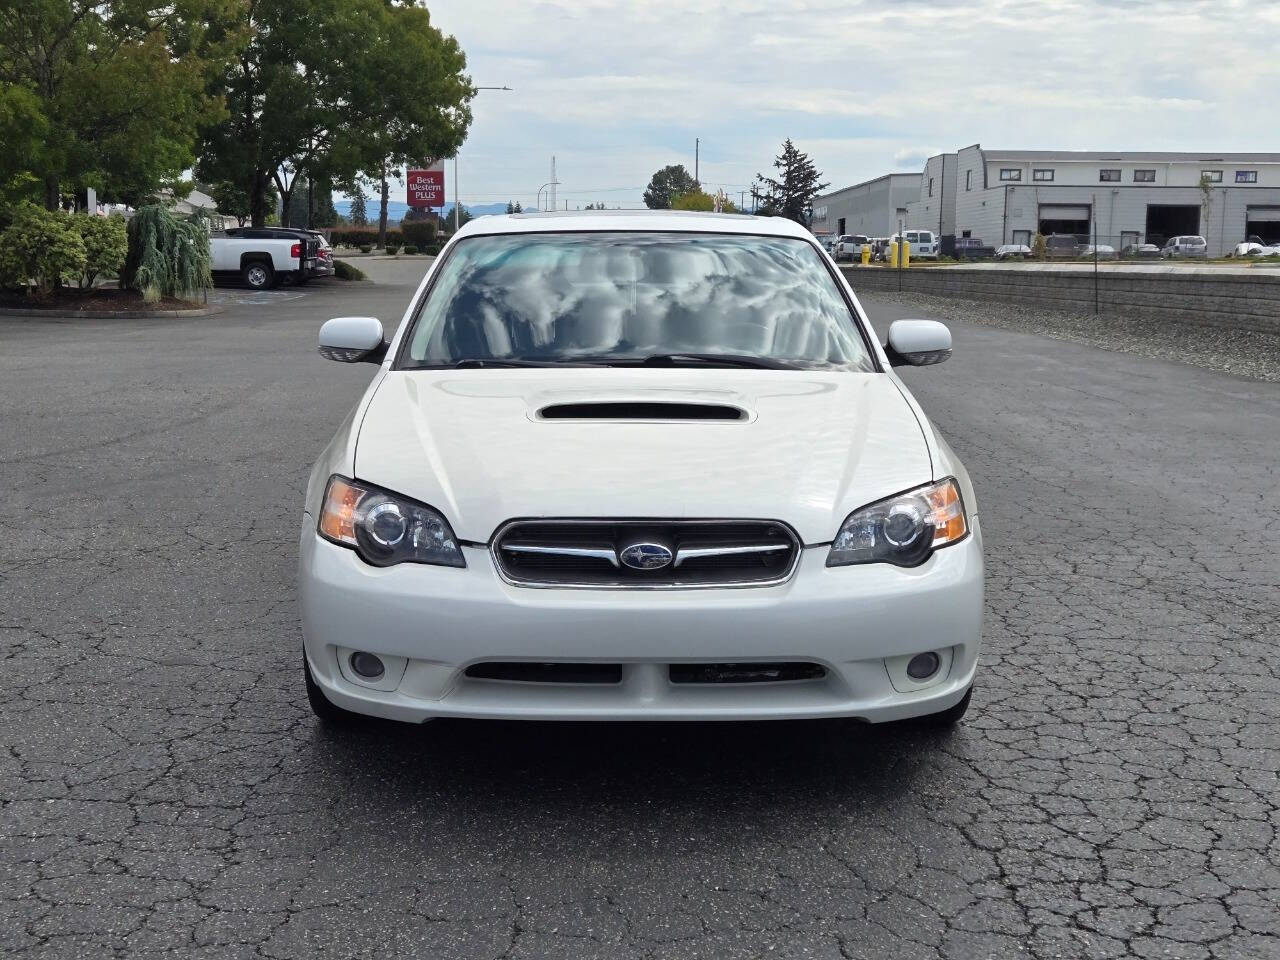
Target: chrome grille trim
(693, 553)
(592, 546)
(598, 553)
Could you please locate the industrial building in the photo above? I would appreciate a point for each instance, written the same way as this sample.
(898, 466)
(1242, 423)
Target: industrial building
(874, 208)
(1007, 196)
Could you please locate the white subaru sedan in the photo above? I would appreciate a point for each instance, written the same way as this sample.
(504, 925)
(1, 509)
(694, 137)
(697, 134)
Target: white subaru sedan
(638, 466)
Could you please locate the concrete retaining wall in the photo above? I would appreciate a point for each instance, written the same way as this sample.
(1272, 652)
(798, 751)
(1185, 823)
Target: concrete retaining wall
(1238, 299)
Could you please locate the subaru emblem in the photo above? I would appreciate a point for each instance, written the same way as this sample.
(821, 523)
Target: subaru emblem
(646, 556)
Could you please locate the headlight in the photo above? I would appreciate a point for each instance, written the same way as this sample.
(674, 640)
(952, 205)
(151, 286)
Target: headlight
(386, 529)
(902, 530)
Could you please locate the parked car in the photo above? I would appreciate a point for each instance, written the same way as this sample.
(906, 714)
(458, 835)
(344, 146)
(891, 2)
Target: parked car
(1013, 251)
(1104, 251)
(263, 257)
(319, 250)
(1187, 246)
(1252, 248)
(530, 514)
(972, 248)
(922, 244)
(1140, 250)
(324, 256)
(1060, 246)
(849, 247)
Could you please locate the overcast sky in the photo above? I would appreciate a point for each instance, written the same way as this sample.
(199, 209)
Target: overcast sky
(616, 90)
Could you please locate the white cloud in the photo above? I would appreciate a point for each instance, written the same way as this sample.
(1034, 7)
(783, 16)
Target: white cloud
(616, 90)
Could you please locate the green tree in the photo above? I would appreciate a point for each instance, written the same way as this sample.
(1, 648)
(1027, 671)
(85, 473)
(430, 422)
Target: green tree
(519, 209)
(667, 184)
(312, 205)
(698, 200)
(357, 214)
(412, 99)
(104, 93)
(233, 199)
(791, 194)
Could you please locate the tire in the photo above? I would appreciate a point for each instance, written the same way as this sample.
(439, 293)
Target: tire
(258, 275)
(948, 717)
(326, 712)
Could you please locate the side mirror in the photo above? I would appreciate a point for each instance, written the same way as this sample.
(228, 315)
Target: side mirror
(917, 343)
(352, 340)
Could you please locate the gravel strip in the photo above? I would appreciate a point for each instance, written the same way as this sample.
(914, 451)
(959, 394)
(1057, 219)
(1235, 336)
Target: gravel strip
(1245, 353)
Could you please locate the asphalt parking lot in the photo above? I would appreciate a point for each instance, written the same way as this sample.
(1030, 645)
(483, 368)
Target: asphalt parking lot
(164, 791)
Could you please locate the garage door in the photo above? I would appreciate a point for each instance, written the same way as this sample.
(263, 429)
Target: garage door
(1263, 223)
(1061, 219)
(1053, 211)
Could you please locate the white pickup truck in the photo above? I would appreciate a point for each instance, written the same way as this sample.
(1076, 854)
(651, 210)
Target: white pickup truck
(261, 257)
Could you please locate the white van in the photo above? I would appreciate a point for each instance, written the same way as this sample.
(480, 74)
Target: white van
(924, 244)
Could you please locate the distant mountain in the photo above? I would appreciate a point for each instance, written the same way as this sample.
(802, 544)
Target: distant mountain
(396, 209)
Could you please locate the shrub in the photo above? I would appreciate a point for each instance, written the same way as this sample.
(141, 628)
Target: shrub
(1039, 247)
(420, 233)
(106, 243)
(392, 248)
(167, 257)
(366, 248)
(345, 271)
(410, 249)
(434, 249)
(40, 247)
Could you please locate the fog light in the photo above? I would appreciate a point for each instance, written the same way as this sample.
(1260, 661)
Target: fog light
(922, 666)
(370, 667)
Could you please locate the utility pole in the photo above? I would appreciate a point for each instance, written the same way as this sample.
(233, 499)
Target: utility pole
(551, 193)
(457, 198)
(697, 149)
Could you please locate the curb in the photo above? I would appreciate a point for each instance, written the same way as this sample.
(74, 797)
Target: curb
(111, 314)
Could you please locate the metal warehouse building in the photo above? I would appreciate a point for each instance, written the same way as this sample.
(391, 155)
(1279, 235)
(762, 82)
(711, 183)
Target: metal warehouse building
(1007, 196)
(874, 208)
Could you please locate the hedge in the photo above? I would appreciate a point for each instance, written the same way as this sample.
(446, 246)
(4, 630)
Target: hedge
(418, 232)
(360, 236)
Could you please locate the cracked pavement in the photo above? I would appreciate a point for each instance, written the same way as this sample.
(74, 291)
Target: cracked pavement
(164, 790)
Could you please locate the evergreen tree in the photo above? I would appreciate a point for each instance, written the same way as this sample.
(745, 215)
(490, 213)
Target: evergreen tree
(511, 207)
(791, 194)
(358, 216)
(519, 209)
(667, 184)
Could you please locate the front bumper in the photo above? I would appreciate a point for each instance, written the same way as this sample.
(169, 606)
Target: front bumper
(428, 624)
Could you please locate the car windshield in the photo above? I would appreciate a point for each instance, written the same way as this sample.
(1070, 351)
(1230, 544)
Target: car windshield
(605, 297)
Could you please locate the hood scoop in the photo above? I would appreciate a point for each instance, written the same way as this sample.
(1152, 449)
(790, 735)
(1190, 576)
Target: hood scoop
(641, 410)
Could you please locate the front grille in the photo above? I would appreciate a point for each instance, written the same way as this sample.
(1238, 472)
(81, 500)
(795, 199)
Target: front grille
(518, 672)
(746, 672)
(641, 554)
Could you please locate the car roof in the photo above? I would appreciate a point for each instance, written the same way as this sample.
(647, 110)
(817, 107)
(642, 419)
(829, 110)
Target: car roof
(678, 221)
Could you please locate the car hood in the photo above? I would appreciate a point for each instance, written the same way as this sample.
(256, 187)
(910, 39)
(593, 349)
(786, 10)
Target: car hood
(809, 448)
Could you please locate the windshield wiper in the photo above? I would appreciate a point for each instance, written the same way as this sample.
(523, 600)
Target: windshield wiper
(499, 362)
(714, 360)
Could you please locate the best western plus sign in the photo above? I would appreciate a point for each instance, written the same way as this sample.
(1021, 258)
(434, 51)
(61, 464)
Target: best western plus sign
(425, 187)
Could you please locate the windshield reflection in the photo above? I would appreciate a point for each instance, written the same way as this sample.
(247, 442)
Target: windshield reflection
(557, 297)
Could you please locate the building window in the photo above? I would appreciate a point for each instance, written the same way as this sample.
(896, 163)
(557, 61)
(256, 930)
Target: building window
(1144, 176)
(1108, 176)
(1042, 176)
(1010, 173)
(931, 186)
(965, 234)
(968, 179)
(1211, 176)
(1246, 176)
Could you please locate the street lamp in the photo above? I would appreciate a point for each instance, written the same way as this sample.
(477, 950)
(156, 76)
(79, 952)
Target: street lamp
(537, 201)
(456, 196)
